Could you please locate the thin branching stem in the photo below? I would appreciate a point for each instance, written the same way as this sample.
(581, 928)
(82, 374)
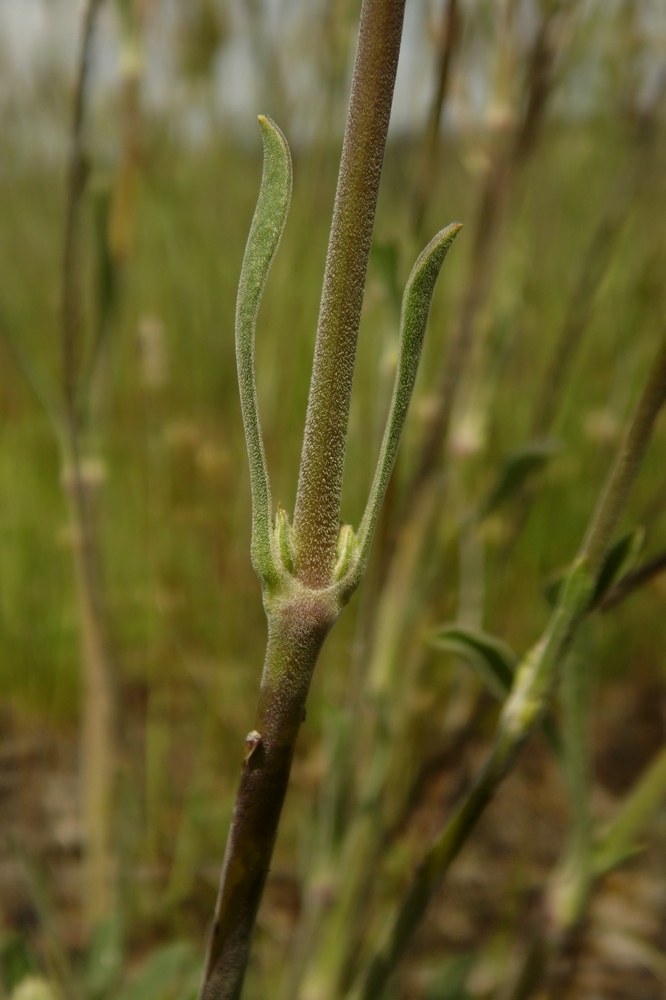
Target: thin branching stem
(77, 171)
(632, 449)
(97, 721)
(533, 686)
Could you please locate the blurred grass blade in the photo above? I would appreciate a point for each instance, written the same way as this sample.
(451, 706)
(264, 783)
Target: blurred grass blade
(516, 469)
(104, 959)
(620, 558)
(387, 257)
(620, 840)
(571, 882)
(44, 392)
(415, 310)
(265, 233)
(493, 659)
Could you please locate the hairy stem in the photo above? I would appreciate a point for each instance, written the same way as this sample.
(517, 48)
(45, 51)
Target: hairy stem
(297, 628)
(317, 513)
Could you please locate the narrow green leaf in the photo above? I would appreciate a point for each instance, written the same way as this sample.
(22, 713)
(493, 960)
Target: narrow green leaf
(516, 469)
(493, 659)
(620, 557)
(415, 309)
(265, 234)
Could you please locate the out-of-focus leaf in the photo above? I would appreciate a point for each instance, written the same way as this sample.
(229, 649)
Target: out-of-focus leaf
(620, 557)
(620, 841)
(493, 659)
(516, 469)
(105, 958)
(552, 587)
(16, 961)
(163, 975)
(448, 983)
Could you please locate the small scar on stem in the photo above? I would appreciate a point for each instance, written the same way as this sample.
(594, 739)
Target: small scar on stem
(252, 741)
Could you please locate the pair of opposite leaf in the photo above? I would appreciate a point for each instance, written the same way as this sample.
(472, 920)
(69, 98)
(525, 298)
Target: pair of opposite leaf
(274, 549)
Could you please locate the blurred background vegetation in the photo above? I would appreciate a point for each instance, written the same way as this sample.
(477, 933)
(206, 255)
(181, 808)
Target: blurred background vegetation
(540, 125)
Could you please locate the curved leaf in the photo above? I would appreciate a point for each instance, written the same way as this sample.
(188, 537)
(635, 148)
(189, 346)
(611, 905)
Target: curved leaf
(265, 234)
(415, 309)
(618, 560)
(620, 557)
(517, 467)
(489, 656)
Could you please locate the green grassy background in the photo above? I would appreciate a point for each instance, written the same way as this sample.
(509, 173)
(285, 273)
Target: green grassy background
(184, 606)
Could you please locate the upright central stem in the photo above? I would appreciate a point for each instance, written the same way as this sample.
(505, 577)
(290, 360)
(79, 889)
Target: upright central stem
(317, 514)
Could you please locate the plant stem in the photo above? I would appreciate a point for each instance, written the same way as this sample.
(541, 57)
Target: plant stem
(97, 724)
(500, 183)
(97, 742)
(302, 601)
(317, 513)
(76, 182)
(297, 628)
(533, 687)
(425, 181)
(632, 449)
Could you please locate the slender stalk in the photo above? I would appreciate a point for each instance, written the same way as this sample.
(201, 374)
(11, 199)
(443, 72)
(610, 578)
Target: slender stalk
(501, 180)
(77, 170)
(97, 742)
(557, 927)
(97, 724)
(297, 629)
(403, 583)
(533, 687)
(309, 571)
(317, 513)
(449, 34)
(632, 449)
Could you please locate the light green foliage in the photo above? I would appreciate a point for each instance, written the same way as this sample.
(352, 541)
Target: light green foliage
(494, 660)
(537, 672)
(169, 973)
(415, 309)
(619, 559)
(265, 234)
(274, 549)
(516, 469)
